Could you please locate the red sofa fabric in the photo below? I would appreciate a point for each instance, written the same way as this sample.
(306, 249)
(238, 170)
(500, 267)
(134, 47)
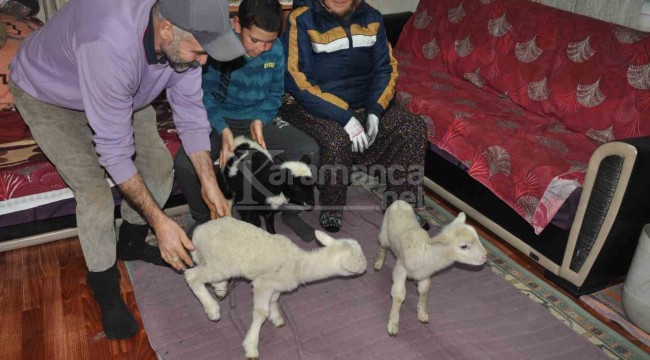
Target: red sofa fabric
(522, 93)
(13, 127)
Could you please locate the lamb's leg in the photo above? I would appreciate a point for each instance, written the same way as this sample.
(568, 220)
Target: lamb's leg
(275, 315)
(423, 291)
(220, 289)
(398, 293)
(383, 245)
(261, 309)
(254, 219)
(269, 222)
(196, 279)
(250, 217)
(379, 258)
(245, 215)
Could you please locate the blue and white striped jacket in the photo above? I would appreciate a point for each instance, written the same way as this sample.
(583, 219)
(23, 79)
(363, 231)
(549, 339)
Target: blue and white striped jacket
(336, 65)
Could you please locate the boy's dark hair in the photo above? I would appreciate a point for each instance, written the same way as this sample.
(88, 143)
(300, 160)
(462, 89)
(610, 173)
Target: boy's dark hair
(265, 14)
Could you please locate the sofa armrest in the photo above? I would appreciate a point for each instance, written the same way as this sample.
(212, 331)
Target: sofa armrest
(394, 23)
(612, 211)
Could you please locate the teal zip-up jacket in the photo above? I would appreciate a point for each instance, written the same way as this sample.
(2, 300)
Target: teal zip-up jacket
(253, 91)
(336, 65)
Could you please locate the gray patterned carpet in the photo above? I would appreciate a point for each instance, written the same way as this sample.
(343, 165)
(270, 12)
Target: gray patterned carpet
(473, 313)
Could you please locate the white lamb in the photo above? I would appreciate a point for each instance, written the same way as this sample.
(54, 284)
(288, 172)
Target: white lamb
(227, 248)
(419, 257)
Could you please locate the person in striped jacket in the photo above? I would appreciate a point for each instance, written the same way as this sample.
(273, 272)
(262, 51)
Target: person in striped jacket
(342, 74)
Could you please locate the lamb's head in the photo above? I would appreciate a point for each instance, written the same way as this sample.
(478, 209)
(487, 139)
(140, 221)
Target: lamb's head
(346, 253)
(465, 245)
(298, 186)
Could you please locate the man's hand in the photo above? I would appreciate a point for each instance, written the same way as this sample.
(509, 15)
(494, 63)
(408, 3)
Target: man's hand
(173, 244)
(357, 135)
(227, 146)
(257, 134)
(372, 128)
(172, 240)
(210, 192)
(213, 197)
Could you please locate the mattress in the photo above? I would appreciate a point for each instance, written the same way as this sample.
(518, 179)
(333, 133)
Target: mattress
(30, 187)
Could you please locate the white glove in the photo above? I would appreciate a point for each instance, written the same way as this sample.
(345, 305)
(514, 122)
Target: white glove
(357, 136)
(372, 128)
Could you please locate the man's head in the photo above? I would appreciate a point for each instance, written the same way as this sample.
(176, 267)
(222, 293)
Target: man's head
(258, 24)
(179, 47)
(189, 30)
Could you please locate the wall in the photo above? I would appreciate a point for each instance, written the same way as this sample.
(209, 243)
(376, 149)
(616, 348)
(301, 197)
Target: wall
(393, 6)
(644, 21)
(385, 6)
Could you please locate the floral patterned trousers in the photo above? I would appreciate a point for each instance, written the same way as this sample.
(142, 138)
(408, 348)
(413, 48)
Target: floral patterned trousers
(396, 156)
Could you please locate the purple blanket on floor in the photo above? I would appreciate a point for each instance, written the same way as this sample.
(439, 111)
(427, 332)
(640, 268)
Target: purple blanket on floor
(473, 313)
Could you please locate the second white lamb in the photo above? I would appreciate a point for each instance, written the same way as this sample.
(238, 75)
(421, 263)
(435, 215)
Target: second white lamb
(227, 248)
(419, 257)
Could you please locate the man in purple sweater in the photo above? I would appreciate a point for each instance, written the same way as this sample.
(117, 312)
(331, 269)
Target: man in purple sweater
(84, 84)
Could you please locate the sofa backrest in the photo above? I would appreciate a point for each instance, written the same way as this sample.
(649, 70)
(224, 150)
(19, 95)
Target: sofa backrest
(592, 75)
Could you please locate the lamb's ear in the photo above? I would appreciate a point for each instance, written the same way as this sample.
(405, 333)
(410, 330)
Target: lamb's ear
(460, 219)
(441, 239)
(324, 238)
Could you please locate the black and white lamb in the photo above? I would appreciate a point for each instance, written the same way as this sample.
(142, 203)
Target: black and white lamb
(258, 187)
(227, 248)
(419, 257)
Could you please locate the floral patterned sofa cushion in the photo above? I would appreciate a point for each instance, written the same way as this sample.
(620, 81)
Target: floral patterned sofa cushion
(522, 93)
(591, 75)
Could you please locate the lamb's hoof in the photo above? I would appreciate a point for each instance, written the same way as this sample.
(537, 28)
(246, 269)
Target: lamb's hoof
(213, 315)
(392, 329)
(252, 357)
(250, 352)
(424, 318)
(220, 297)
(279, 322)
(378, 266)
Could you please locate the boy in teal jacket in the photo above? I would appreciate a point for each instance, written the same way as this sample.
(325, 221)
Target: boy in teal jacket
(242, 97)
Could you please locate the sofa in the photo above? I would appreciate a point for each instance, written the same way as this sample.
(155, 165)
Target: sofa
(538, 126)
(36, 206)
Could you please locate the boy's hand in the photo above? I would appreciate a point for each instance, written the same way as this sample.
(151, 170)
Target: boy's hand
(227, 146)
(257, 134)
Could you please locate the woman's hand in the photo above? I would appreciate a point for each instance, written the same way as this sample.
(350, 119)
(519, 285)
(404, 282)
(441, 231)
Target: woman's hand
(357, 135)
(372, 128)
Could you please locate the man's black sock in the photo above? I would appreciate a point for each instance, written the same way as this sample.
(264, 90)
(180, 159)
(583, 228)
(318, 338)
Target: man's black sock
(117, 320)
(131, 245)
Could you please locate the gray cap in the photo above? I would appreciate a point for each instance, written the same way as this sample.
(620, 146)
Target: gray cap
(209, 22)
